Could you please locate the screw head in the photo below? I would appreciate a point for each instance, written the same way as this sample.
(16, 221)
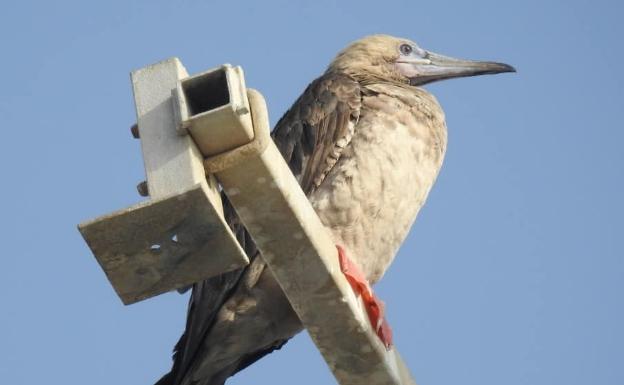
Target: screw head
(134, 129)
(142, 189)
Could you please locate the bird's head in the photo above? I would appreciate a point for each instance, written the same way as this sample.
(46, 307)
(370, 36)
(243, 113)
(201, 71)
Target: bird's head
(391, 59)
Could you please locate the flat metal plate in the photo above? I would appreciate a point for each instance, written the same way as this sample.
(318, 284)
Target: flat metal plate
(162, 245)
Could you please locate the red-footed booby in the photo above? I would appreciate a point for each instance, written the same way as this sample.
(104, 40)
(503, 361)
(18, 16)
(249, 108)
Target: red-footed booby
(366, 144)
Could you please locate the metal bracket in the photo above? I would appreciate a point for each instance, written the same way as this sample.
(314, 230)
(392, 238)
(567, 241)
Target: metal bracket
(179, 236)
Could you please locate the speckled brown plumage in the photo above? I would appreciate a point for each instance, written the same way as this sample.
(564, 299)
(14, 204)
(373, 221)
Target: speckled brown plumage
(366, 147)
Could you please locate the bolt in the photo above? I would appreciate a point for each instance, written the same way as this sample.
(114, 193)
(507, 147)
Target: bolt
(142, 189)
(135, 131)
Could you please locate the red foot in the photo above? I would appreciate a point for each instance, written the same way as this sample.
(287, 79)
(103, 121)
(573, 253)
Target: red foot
(374, 306)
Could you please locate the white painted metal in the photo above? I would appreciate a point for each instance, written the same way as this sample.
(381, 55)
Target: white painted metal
(173, 163)
(222, 92)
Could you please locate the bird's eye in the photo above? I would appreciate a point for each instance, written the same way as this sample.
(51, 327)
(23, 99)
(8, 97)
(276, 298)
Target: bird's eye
(406, 49)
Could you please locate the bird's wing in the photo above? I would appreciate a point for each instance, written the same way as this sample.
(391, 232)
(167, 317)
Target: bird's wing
(314, 132)
(310, 136)
(206, 299)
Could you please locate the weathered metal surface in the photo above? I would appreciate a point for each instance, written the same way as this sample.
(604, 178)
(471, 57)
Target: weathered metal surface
(214, 103)
(173, 163)
(178, 237)
(162, 245)
(303, 258)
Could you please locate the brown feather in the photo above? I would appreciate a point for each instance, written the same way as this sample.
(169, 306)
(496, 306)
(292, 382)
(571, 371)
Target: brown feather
(313, 133)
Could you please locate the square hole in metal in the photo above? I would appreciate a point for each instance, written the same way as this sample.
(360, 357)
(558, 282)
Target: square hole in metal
(206, 92)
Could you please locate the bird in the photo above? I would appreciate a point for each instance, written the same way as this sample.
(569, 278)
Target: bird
(365, 142)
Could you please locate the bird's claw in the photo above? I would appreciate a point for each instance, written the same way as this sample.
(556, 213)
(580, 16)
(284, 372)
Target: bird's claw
(374, 306)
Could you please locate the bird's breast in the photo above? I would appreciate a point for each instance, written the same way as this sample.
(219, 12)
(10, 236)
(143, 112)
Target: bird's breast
(372, 195)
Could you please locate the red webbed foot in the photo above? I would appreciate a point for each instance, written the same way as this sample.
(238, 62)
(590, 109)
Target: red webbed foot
(374, 306)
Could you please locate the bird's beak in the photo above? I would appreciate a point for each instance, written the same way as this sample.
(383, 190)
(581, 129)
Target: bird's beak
(433, 67)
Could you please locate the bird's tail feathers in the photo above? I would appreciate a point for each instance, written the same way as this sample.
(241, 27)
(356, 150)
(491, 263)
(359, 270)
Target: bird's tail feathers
(167, 379)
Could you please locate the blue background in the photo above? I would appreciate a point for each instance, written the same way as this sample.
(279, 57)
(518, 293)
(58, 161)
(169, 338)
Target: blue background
(511, 275)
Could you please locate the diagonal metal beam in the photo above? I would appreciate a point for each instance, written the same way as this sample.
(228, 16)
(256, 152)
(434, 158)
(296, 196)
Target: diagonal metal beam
(303, 258)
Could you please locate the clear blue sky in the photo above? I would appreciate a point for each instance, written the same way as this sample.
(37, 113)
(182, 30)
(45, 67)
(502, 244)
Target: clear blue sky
(513, 273)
